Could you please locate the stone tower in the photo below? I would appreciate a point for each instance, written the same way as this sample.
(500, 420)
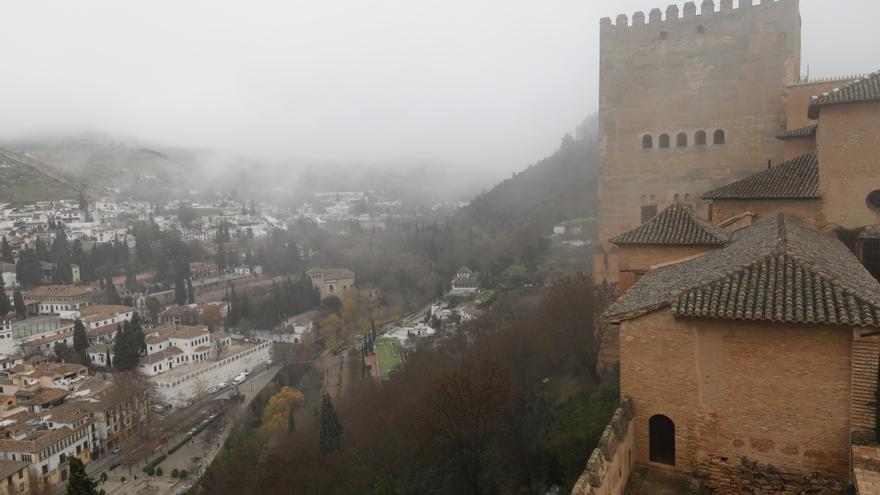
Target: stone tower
(688, 101)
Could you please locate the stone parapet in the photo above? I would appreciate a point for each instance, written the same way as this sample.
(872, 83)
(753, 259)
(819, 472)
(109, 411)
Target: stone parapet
(610, 464)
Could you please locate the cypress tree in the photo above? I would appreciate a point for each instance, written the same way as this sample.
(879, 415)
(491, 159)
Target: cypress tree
(6, 251)
(80, 339)
(291, 422)
(179, 291)
(330, 435)
(5, 305)
(79, 482)
(18, 302)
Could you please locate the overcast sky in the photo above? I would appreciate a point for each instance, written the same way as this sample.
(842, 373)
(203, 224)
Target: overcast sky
(475, 85)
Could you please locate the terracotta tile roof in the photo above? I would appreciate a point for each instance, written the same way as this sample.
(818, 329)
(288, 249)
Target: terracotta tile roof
(860, 90)
(161, 355)
(98, 309)
(676, 225)
(59, 290)
(797, 178)
(9, 468)
(65, 414)
(805, 131)
(777, 270)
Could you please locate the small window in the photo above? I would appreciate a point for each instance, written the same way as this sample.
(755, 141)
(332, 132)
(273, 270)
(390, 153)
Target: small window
(873, 199)
(681, 141)
(664, 140)
(700, 138)
(718, 137)
(647, 142)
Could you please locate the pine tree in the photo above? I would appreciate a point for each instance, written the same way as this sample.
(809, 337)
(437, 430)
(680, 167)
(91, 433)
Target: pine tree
(330, 435)
(5, 305)
(6, 251)
(80, 339)
(18, 302)
(190, 293)
(79, 482)
(112, 295)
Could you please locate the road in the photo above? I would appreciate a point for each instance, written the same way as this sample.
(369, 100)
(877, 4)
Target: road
(170, 429)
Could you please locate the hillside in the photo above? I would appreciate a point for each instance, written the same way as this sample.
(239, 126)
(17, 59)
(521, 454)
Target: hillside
(24, 182)
(560, 187)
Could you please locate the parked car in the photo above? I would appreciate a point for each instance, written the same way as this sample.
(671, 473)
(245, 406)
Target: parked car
(223, 385)
(213, 389)
(239, 379)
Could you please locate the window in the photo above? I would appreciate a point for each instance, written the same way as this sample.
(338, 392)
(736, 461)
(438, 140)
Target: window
(681, 141)
(700, 138)
(664, 140)
(647, 142)
(873, 199)
(718, 137)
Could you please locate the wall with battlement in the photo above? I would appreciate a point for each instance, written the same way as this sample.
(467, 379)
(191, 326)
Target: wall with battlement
(689, 72)
(611, 462)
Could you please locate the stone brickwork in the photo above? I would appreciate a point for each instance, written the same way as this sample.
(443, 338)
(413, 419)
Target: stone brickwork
(690, 73)
(746, 476)
(776, 394)
(865, 352)
(611, 462)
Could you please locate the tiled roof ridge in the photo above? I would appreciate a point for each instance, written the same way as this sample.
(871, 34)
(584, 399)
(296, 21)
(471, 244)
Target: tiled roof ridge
(666, 228)
(863, 89)
(805, 131)
(714, 299)
(796, 178)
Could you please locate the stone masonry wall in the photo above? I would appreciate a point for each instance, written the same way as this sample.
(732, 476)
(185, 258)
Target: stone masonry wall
(685, 72)
(775, 394)
(611, 463)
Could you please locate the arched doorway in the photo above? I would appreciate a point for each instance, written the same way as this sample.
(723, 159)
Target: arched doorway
(661, 433)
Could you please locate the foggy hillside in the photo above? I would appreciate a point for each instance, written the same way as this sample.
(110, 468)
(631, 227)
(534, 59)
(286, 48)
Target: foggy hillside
(559, 187)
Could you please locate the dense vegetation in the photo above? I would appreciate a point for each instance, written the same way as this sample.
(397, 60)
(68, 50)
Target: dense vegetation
(507, 405)
(22, 183)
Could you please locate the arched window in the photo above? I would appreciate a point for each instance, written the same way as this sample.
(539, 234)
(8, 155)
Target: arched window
(718, 138)
(661, 439)
(700, 138)
(681, 141)
(647, 142)
(664, 140)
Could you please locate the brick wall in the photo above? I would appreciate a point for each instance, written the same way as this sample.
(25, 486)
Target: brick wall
(717, 70)
(865, 351)
(633, 261)
(774, 394)
(807, 210)
(849, 162)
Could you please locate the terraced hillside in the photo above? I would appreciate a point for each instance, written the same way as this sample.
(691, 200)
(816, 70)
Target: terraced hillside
(21, 182)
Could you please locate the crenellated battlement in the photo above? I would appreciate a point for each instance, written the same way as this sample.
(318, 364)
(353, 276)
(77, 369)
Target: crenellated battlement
(689, 11)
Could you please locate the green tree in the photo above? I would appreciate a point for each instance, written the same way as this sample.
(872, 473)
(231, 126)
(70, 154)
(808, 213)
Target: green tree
(6, 251)
(179, 291)
(79, 482)
(111, 295)
(138, 336)
(330, 434)
(291, 422)
(20, 306)
(80, 339)
(5, 305)
(126, 349)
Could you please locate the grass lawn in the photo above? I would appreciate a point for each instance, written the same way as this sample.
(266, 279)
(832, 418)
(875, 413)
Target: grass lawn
(387, 355)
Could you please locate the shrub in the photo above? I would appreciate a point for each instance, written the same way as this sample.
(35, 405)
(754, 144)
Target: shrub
(175, 473)
(150, 470)
(122, 479)
(158, 471)
(103, 477)
(184, 474)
